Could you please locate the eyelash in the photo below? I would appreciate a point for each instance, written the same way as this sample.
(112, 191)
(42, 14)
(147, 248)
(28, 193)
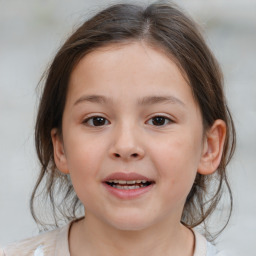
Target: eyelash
(91, 119)
(165, 119)
(87, 120)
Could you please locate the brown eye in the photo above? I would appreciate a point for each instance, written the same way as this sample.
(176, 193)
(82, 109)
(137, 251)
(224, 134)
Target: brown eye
(159, 121)
(96, 121)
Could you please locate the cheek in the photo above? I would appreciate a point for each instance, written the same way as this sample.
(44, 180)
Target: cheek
(82, 151)
(83, 169)
(177, 161)
(83, 159)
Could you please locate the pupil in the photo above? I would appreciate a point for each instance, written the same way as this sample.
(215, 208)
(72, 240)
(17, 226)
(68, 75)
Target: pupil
(158, 120)
(97, 121)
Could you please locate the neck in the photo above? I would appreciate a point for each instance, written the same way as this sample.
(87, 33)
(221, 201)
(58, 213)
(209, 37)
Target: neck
(90, 237)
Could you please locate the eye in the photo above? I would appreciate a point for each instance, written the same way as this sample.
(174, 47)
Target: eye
(159, 120)
(96, 121)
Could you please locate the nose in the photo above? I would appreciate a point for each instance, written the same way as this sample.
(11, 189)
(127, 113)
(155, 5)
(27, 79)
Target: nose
(126, 145)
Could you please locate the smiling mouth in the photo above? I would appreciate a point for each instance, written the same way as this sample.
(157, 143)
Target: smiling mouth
(129, 184)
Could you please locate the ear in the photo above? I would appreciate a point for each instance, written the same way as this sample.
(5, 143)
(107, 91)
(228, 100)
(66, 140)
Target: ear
(59, 153)
(212, 148)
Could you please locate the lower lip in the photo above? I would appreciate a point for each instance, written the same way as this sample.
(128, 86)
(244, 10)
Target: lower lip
(128, 193)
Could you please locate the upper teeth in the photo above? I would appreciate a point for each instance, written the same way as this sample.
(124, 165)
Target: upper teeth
(127, 181)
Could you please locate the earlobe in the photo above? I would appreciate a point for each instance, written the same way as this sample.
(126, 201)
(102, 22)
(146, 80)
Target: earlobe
(212, 148)
(59, 153)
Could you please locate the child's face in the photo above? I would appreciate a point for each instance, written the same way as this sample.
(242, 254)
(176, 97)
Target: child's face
(148, 124)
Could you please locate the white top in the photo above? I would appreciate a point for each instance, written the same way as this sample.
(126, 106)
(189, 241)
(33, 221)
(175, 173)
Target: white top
(55, 243)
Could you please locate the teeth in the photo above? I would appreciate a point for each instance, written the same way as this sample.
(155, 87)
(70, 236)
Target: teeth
(126, 187)
(122, 182)
(131, 182)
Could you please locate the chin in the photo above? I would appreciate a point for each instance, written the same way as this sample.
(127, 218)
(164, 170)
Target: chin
(130, 223)
(130, 227)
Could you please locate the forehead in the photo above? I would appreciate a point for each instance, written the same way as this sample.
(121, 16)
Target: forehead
(126, 67)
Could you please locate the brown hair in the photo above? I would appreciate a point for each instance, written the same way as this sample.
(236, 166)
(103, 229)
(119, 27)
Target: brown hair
(160, 25)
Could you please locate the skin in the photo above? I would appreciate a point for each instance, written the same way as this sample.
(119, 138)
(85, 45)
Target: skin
(130, 140)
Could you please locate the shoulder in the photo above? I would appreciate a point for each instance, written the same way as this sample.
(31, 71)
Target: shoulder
(213, 251)
(32, 246)
(44, 244)
(205, 248)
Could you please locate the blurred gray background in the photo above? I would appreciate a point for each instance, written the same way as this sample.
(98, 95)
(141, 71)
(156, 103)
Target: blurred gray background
(30, 33)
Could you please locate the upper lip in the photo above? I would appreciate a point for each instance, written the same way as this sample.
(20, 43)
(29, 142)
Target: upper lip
(126, 176)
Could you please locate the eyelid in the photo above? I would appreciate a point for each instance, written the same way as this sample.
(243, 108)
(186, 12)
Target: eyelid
(85, 120)
(170, 119)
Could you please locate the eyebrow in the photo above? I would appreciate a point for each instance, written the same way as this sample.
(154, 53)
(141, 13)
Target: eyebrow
(94, 99)
(148, 100)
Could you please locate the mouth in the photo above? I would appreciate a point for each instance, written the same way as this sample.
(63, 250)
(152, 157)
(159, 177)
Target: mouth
(128, 184)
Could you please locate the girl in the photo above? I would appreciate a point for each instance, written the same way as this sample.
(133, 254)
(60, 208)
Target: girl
(132, 126)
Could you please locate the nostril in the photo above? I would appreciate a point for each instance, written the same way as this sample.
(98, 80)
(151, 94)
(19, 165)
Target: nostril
(132, 155)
